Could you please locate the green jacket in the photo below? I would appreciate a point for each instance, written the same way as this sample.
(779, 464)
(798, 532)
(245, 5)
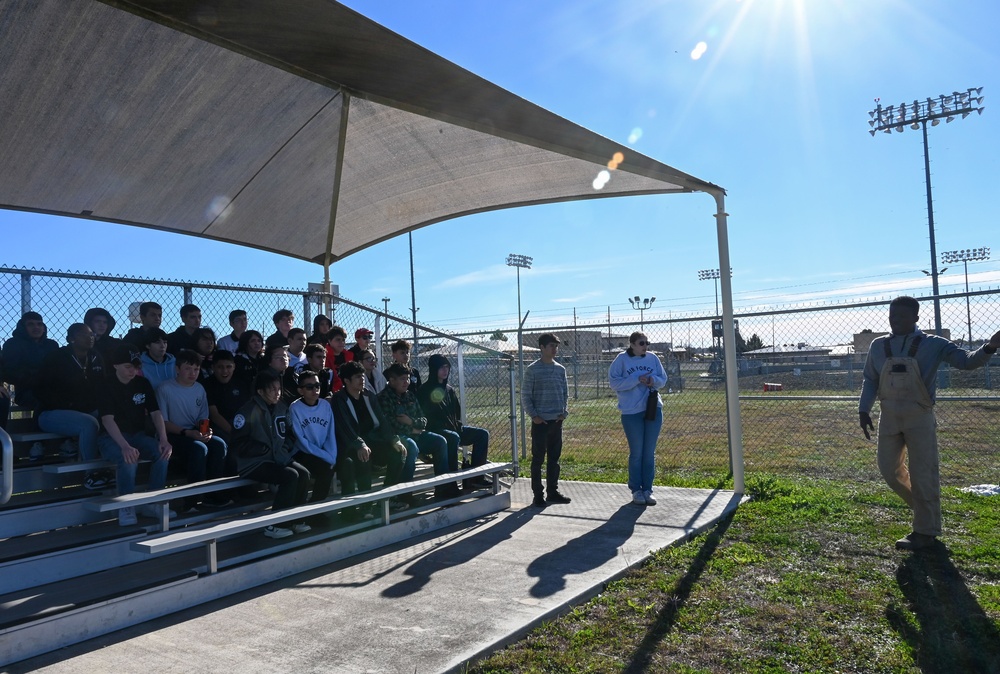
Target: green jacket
(261, 434)
(393, 405)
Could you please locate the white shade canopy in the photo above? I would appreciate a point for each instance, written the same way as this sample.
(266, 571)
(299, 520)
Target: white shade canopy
(298, 126)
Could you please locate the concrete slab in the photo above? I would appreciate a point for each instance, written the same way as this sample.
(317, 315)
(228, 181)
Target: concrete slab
(428, 605)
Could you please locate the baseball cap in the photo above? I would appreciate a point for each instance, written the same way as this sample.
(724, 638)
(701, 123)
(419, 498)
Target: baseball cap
(363, 332)
(123, 353)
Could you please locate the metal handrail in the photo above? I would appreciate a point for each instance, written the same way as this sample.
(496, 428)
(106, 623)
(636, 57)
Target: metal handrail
(8, 466)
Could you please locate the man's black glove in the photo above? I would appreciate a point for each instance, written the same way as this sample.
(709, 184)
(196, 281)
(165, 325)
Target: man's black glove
(866, 424)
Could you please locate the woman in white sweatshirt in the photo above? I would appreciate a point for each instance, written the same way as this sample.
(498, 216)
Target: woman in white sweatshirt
(635, 376)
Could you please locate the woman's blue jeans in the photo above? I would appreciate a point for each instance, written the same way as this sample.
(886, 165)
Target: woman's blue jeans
(641, 436)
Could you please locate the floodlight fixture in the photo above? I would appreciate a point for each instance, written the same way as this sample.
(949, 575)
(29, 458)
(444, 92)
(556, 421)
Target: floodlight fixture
(966, 256)
(916, 116)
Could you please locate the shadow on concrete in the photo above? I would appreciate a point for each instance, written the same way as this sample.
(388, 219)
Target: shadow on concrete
(460, 552)
(665, 620)
(584, 553)
(954, 633)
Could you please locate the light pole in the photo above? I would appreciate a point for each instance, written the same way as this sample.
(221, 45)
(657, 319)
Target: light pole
(965, 257)
(916, 116)
(520, 262)
(714, 275)
(641, 306)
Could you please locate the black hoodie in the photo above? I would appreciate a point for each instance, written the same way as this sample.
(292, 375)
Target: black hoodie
(438, 400)
(23, 358)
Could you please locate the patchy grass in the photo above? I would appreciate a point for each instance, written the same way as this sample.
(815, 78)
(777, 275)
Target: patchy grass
(803, 578)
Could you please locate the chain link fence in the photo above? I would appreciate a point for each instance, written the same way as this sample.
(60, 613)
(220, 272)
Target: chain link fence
(483, 377)
(800, 372)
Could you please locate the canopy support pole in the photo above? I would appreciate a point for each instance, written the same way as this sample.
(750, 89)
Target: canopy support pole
(729, 341)
(345, 108)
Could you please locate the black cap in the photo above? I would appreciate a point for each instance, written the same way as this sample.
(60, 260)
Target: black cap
(123, 353)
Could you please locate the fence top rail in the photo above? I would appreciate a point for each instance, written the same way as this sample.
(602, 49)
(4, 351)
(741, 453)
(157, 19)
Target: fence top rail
(54, 273)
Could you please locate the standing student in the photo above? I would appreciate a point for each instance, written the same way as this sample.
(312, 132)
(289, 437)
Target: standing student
(545, 398)
(263, 447)
(901, 372)
(635, 376)
(125, 402)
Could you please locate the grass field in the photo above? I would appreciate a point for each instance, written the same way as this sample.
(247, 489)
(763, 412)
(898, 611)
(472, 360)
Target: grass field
(803, 578)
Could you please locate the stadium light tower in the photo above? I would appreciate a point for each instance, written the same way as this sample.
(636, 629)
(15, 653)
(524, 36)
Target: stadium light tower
(965, 257)
(641, 306)
(916, 116)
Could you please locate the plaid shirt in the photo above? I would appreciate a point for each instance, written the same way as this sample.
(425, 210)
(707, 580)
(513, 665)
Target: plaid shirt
(393, 405)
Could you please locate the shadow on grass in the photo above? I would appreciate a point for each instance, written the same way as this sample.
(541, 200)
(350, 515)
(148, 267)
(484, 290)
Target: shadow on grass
(641, 659)
(953, 634)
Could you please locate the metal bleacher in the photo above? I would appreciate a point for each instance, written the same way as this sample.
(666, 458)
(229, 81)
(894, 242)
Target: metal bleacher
(69, 572)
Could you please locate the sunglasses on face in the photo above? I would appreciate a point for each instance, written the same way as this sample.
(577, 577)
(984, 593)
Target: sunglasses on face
(641, 343)
(370, 359)
(309, 387)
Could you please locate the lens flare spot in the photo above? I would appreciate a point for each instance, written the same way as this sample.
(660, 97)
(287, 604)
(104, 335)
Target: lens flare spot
(217, 207)
(634, 137)
(602, 179)
(698, 51)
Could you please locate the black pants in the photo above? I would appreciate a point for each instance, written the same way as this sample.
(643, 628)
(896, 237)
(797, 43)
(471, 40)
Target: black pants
(386, 454)
(354, 473)
(546, 445)
(322, 473)
(292, 481)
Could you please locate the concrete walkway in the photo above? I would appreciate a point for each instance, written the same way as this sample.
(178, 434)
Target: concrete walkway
(426, 606)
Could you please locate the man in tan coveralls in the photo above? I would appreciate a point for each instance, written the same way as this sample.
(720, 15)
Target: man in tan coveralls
(901, 372)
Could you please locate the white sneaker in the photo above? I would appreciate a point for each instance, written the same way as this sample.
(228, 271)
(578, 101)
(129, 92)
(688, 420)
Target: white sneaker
(151, 510)
(126, 517)
(649, 498)
(301, 527)
(277, 532)
(638, 498)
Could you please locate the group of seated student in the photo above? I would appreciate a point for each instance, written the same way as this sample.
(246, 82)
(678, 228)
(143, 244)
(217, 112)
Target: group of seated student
(287, 411)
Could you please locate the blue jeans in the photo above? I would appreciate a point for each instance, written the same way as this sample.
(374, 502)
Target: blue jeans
(200, 461)
(479, 438)
(80, 425)
(437, 447)
(149, 449)
(410, 464)
(641, 436)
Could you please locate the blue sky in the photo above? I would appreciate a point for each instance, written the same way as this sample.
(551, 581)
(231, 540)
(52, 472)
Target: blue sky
(774, 110)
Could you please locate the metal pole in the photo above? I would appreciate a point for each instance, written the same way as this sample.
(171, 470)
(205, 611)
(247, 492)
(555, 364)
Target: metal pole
(25, 293)
(513, 417)
(733, 421)
(413, 294)
(930, 227)
(576, 360)
(968, 306)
